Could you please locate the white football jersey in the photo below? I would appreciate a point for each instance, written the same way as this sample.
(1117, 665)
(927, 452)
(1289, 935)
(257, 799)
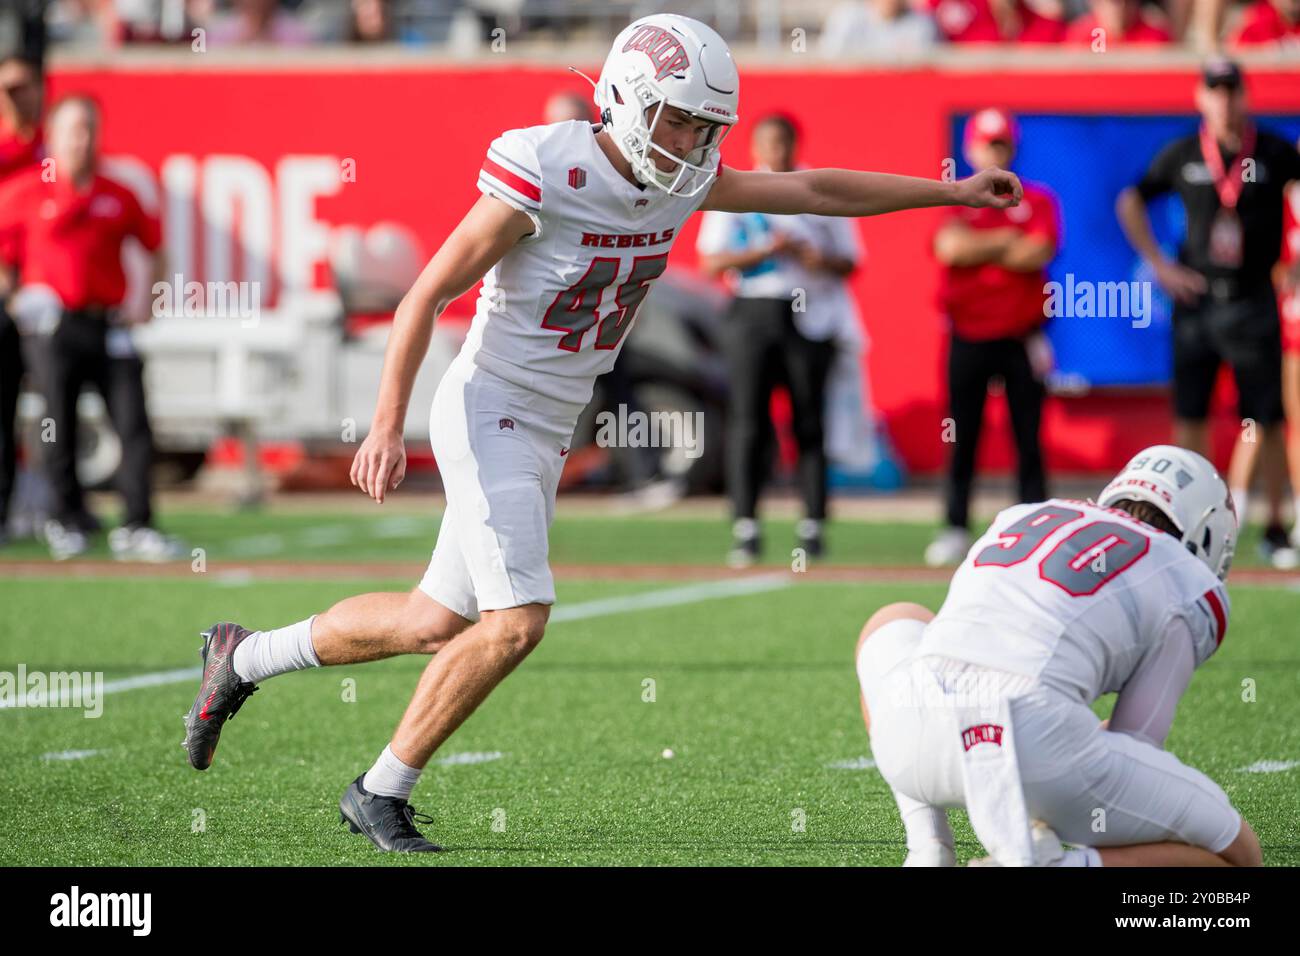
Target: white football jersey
(555, 311)
(1075, 595)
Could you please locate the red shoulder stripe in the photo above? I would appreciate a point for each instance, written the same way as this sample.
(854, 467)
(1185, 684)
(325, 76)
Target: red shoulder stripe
(1220, 619)
(517, 183)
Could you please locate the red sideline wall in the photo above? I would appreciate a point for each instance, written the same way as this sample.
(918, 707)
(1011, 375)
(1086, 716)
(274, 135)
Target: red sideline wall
(417, 137)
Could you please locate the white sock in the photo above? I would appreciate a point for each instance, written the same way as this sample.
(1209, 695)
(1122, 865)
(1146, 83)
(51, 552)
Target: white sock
(389, 777)
(925, 825)
(808, 528)
(1240, 500)
(266, 654)
(744, 529)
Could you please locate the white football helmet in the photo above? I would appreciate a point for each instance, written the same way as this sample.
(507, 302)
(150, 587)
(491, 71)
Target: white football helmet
(1184, 486)
(660, 61)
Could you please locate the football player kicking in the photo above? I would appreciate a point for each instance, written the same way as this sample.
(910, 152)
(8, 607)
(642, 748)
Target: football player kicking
(986, 705)
(574, 224)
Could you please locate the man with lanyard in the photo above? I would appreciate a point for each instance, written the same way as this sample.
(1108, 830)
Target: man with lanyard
(20, 149)
(1231, 178)
(63, 234)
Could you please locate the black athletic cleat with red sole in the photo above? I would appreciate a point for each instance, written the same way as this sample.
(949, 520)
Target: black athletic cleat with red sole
(221, 693)
(387, 822)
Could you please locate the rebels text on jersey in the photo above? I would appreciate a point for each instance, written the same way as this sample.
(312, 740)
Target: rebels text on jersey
(554, 312)
(1075, 595)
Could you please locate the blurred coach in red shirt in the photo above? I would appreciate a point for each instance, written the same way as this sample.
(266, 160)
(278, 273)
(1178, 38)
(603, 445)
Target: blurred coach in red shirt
(20, 149)
(992, 290)
(63, 229)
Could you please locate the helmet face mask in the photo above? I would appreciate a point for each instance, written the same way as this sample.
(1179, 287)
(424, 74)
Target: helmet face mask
(1188, 490)
(664, 62)
(687, 171)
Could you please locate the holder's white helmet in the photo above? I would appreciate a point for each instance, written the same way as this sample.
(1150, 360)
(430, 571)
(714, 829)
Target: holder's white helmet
(660, 61)
(1187, 489)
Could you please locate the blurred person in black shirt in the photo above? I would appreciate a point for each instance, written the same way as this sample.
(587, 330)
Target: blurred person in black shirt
(1231, 177)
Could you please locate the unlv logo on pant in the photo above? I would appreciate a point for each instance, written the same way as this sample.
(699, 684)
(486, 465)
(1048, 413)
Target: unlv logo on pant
(981, 734)
(665, 50)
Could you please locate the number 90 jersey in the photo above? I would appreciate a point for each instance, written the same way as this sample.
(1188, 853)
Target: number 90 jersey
(1075, 595)
(554, 312)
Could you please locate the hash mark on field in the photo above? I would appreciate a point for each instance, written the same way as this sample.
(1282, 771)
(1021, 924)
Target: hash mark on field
(71, 754)
(857, 763)
(1270, 766)
(471, 757)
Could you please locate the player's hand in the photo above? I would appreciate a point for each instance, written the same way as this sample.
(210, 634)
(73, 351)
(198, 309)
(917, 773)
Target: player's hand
(1291, 278)
(1183, 284)
(991, 187)
(783, 243)
(380, 463)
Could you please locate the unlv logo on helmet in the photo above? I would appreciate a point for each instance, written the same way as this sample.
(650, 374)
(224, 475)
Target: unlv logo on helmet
(664, 50)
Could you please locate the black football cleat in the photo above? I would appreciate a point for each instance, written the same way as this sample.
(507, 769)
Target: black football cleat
(387, 822)
(221, 693)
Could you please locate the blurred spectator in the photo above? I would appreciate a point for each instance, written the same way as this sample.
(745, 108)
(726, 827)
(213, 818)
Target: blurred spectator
(64, 235)
(1042, 21)
(1117, 23)
(876, 28)
(20, 149)
(1226, 308)
(22, 29)
(90, 22)
(371, 21)
(258, 21)
(568, 105)
(993, 282)
(973, 21)
(791, 301)
(1268, 21)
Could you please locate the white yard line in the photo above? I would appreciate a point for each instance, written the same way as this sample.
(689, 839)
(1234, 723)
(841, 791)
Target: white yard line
(857, 763)
(471, 757)
(1270, 766)
(671, 597)
(667, 597)
(71, 754)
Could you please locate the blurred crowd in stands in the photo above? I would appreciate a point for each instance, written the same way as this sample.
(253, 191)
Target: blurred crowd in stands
(834, 28)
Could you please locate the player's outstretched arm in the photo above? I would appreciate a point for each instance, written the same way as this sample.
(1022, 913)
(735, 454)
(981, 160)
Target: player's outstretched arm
(850, 192)
(487, 233)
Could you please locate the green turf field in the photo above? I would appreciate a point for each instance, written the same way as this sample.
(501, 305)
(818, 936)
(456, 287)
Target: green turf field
(754, 695)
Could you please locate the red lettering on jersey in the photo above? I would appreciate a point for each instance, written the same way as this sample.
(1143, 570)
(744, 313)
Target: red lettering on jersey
(664, 50)
(614, 240)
